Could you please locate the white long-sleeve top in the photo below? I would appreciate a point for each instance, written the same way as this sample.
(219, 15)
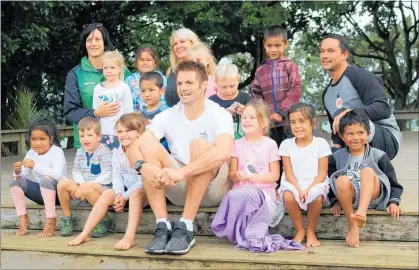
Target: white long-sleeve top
(51, 164)
(121, 94)
(124, 178)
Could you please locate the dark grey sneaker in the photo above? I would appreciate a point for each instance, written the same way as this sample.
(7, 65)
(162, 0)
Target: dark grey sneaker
(67, 226)
(101, 230)
(161, 237)
(181, 241)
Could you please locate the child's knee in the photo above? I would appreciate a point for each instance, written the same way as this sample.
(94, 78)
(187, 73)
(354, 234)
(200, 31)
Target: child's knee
(48, 183)
(343, 183)
(64, 184)
(367, 173)
(288, 196)
(13, 183)
(109, 194)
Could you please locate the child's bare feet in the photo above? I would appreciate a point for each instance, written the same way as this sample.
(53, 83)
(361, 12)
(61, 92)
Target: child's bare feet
(49, 228)
(352, 238)
(125, 243)
(312, 240)
(299, 236)
(81, 238)
(360, 219)
(23, 225)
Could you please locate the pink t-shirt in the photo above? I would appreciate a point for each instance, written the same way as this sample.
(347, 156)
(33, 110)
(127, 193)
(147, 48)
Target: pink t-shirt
(211, 87)
(254, 158)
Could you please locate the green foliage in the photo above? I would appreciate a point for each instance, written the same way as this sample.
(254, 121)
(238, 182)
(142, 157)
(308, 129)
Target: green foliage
(24, 109)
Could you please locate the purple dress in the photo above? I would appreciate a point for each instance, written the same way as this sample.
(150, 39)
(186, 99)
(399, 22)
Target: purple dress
(243, 217)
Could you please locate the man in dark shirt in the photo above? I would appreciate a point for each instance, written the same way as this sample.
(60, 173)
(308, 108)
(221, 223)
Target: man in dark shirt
(354, 88)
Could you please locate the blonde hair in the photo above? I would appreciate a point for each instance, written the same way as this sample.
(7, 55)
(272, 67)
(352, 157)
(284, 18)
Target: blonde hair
(116, 56)
(88, 122)
(262, 114)
(132, 121)
(227, 71)
(183, 34)
(204, 50)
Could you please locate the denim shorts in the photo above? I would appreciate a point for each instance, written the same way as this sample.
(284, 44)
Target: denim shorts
(373, 203)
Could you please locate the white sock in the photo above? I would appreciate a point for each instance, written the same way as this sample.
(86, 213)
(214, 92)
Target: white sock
(166, 221)
(188, 222)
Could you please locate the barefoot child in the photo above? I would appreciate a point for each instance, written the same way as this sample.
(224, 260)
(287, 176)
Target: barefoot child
(127, 186)
(47, 162)
(304, 184)
(147, 60)
(361, 177)
(92, 174)
(113, 89)
(249, 208)
(201, 53)
(228, 95)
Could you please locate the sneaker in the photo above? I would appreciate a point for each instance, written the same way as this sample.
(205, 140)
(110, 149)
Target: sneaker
(161, 237)
(67, 226)
(101, 230)
(182, 240)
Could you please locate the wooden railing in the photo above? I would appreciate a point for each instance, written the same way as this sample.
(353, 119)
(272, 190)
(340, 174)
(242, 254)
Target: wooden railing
(18, 135)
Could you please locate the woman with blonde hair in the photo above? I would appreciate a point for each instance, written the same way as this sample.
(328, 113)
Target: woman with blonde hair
(201, 53)
(180, 42)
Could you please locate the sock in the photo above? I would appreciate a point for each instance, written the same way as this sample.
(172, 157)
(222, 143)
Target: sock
(169, 226)
(19, 200)
(49, 201)
(188, 222)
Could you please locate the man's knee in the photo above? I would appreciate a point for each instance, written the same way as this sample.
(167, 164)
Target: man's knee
(48, 183)
(198, 146)
(343, 183)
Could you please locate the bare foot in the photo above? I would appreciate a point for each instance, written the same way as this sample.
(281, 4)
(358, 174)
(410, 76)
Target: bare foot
(299, 236)
(125, 243)
(78, 240)
(359, 219)
(23, 225)
(49, 228)
(352, 238)
(312, 240)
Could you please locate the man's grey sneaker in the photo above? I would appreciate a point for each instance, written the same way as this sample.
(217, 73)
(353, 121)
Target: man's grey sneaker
(67, 226)
(101, 230)
(161, 237)
(181, 241)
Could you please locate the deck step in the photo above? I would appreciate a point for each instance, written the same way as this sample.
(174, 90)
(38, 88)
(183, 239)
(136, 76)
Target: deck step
(30, 251)
(380, 226)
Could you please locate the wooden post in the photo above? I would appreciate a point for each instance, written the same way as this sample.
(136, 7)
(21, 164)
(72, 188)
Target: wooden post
(21, 145)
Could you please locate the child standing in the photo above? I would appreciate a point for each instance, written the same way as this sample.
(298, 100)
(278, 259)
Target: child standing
(201, 53)
(127, 186)
(92, 174)
(277, 81)
(228, 95)
(361, 176)
(152, 90)
(250, 207)
(47, 162)
(304, 184)
(112, 90)
(147, 59)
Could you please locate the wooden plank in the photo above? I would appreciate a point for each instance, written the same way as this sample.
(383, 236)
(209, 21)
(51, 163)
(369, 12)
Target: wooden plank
(214, 251)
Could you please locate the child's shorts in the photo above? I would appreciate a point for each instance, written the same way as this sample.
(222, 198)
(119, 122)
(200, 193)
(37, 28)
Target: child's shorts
(80, 202)
(373, 203)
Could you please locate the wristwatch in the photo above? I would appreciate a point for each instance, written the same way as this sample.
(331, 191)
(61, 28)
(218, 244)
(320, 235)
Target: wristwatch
(138, 165)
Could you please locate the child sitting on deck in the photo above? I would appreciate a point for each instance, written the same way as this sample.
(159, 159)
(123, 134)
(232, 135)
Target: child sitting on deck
(250, 207)
(361, 177)
(47, 162)
(127, 186)
(92, 174)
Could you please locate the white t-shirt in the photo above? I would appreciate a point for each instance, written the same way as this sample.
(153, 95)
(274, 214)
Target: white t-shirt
(304, 160)
(180, 131)
(51, 164)
(121, 94)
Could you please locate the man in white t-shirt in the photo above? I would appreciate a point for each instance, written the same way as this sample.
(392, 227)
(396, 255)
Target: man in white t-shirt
(200, 137)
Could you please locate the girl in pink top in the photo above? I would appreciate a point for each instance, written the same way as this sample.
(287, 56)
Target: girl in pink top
(250, 207)
(201, 53)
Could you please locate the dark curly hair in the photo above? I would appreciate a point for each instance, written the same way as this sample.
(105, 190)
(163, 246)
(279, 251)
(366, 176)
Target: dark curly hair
(352, 118)
(48, 126)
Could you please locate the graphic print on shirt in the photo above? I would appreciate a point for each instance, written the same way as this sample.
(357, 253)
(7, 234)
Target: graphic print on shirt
(354, 171)
(111, 97)
(203, 135)
(339, 102)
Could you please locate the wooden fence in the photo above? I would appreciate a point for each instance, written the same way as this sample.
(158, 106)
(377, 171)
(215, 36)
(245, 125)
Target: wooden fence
(18, 135)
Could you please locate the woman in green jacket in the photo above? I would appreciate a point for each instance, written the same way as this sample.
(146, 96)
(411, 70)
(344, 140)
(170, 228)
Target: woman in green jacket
(82, 79)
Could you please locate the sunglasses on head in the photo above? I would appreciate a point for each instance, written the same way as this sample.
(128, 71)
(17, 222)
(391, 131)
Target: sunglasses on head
(96, 25)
